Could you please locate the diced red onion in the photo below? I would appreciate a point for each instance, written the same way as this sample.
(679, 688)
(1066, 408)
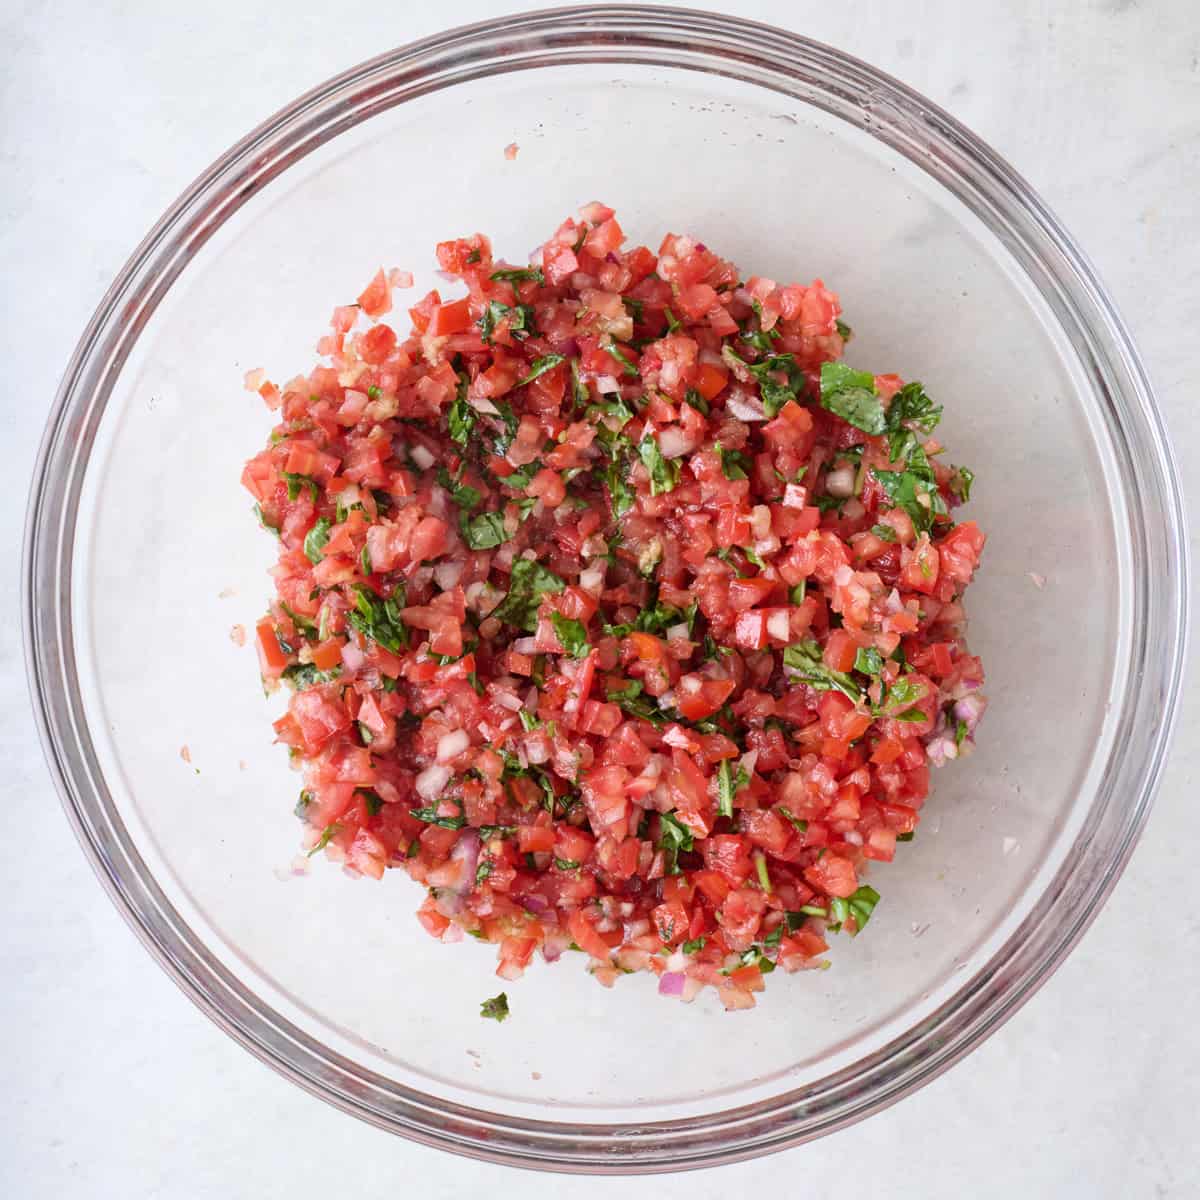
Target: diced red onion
(537, 749)
(840, 482)
(483, 405)
(679, 633)
(466, 853)
(671, 983)
(431, 781)
(592, 579)
(525, 645)
(674, 443)
(795, 496)
(509, 701)
(970, 709)
(745, 409)
(448, 573)
(777, 625)
(607, 384)
(451, 745)
(422, 456)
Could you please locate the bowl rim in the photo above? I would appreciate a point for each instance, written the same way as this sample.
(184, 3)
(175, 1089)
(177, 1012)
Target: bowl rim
(814, 74)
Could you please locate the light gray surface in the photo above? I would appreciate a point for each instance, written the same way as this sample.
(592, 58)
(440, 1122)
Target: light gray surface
(111, 1084)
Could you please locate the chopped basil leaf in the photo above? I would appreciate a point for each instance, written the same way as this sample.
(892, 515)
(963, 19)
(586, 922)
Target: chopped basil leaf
(862, 905)
(371, 800)
(566, 864)
(528, 720)
(805, 658)
(797, 594)
(302, 676)
(734, 464)
(465, 496)
(961, 731)
(904, 692)
(910, 714)
(672, 322)
(483, 871)
(522, 477)
(728, 785)
(303, 804)
(378, 619)
(518, 318)
(572, 634)
(430, 816)
(904, 837)
(487, 832)
(518, 275)
(461, 417)
(885, 533)
(673, 837)
(799, 825)
(851, 395)
(697, 401)
(830, 503)
(296, 482)
(656, 620)
(539, 366)
(760, 866)
(911, 491)
(626, 365)
(844, 330)
(621, 495)
(868, 660)
(262, 520)
(961, 481)
(776, 935)
(529, 582)
(327, 835)
(495, 1009)
(774, 394)
(664, 472)
(911, 404)
(315, 539)
(484, 531)
(631, 700)
(693, 945)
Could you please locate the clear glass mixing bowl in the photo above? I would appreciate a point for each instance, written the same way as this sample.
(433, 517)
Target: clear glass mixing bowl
(795, 160)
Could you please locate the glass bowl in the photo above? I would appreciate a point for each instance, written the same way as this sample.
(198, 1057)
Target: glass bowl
(794, 160)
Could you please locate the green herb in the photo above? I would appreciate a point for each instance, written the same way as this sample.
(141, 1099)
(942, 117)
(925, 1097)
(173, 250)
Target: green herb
(327, 835)
(518, 318)
(528, 583)
(579, 389)
(262, 520)
(728, 785)
(774, 393)
(664, 473)
(621, 496)
(904, 837)
(539, 366)
(830, 503)
(799, 825)
(911, 406)
(296, 482)
(805, 659)
(315, 539)
(378, 619)
(734, 464)
(303, 804)
(860, 906)
(961, 481)
(487, 832)
(697, 401)
(572, 634)
(462, 417)
(911, 714)
(483, 871)
(430, 816)
(528, 720)
(474, 256)
(484, 531)
(371, 800)
(495, 1009)
(764, 878)
(868, 660)
(303, 625)
(797, 594)
(903, 693)
(566, 864)
(915, 491)
(657, 619)
(754, 957)
(851, 395)
(885, 533)
(522, 477)
(302, 676)
(631, 700)
(673, 837)
(844, 330)
(518, 275)
(813, 910)
(672, 322)
(960, 732)
(694, 945)
(465, 496)
(617, 353)
(776, 935)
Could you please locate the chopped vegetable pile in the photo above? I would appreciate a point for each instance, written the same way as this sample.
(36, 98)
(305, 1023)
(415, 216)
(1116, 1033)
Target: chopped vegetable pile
(618, 611)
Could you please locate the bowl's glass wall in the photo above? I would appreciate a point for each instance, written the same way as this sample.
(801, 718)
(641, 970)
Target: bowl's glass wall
(168, 558)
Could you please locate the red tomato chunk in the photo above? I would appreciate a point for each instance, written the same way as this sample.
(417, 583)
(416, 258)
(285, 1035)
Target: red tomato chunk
(616, 609)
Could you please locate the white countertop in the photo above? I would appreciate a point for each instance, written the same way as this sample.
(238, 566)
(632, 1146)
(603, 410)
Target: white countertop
(112, 1084)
